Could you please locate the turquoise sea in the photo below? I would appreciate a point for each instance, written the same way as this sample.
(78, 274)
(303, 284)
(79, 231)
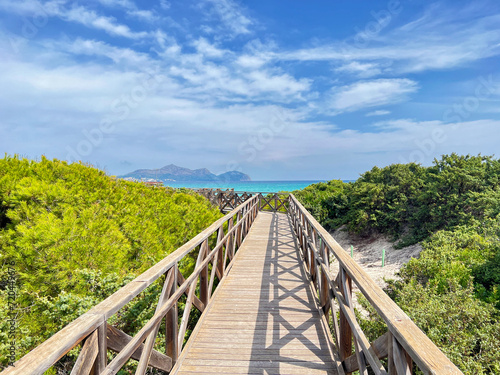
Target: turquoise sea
(250, 186)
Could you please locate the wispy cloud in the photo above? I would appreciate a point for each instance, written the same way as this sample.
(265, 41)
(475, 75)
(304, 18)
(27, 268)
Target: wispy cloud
(132, 9)
(90, 18)
(126, 4)
(74, 13)
(204, 47)
(230, 13)
(380, 112)
(145, 15)
(125, 57)
(440, 40)
(362, 70)
(366, 94)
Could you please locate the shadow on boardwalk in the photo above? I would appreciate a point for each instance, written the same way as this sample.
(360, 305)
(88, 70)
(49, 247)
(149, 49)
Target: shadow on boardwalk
(294, 333)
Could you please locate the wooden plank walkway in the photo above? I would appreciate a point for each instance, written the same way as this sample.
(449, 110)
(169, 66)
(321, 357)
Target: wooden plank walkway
(264, 317)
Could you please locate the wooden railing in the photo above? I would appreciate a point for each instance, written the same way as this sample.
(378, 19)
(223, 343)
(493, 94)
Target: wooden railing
(97, 336)
(229, 199)
(403, 343)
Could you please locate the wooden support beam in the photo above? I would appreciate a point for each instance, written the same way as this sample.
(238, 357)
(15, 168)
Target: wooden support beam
(171, 321)
(196, 301)
(117, 340)
(220, 257)
(391, 367)
(345, 339)
(86, 358)
(150, 341)
(204, 294)
(348, 312)
(212, 276)
(379, 348)
(102, 353)
(401, 363)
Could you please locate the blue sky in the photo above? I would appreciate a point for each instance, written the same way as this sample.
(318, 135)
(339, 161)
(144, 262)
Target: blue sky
(277, 89)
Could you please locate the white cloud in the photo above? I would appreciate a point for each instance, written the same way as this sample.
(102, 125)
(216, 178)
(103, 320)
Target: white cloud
(47, 109)
(378, 113)
(131, 9)
(362, 70)
(282, 83)
(77, 14)
(231, 15)
(205, 48)
(90, 18)
(124, 56)
(127, 4)
(439, 40)
(249, 61)
(145, 15)
(366, 94)
(165, 5)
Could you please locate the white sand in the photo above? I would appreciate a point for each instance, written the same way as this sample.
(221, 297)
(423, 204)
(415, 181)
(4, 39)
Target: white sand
(368, 254)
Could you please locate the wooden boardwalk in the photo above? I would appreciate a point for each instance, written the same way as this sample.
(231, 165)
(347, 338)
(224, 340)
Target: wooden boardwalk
(264, 317)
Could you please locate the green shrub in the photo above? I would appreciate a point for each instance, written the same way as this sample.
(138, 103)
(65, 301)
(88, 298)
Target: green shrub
(77, 235)
(407, 201)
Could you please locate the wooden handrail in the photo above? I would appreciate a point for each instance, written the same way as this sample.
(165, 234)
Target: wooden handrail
(92, 329)
(404, 340)
(228, 199)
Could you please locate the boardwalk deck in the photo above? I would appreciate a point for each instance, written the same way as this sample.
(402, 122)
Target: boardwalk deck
(264, 318)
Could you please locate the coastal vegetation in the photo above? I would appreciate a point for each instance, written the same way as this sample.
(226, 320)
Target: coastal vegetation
(70, 236)
(452, 291)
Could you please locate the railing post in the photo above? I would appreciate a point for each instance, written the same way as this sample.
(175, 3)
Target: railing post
(101, 360)
(399, 362)
(312, 265)
(391, 369)
(220, 258)
(325, 296)
(345, 286)
(230, 240)
(204, 275)
(239, 230)
(302, 234)
(171, 321)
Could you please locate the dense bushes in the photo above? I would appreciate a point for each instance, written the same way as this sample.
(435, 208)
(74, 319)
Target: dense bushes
(452, 289)
(76, 236)
(451, 292)
(408, 201)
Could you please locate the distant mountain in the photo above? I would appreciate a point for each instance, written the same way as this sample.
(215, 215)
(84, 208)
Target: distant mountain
(173, 172)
